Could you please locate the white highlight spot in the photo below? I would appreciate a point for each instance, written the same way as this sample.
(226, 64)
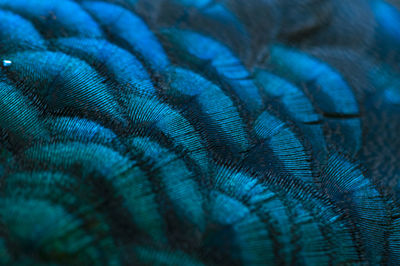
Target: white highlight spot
(7, 63)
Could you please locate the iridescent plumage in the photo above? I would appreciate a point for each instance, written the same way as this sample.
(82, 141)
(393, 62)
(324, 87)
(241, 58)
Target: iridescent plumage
(183, 132)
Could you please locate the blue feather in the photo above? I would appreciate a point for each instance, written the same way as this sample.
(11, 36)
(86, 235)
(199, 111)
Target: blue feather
(388, 31)
(62, 81)
(19, 116)
(223, 126)
(199, 132)
(112, 62)
(149, 114)
(17, 33)
(329, 93)
(209, 56)
(130, 29)
(355, 195)
(53, 18)
(297, 105)
(285, 145)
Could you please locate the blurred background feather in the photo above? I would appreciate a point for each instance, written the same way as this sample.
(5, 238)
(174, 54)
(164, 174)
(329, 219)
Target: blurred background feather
(199, 132)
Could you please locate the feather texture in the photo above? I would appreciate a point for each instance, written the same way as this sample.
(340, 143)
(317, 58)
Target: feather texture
(184, 132)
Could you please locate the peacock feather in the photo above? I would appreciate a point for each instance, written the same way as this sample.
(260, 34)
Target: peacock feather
(199, 132)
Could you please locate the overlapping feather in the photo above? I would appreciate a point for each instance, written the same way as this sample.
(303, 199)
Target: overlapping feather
(138, 132)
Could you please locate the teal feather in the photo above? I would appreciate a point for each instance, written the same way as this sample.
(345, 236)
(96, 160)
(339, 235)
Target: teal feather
(223, 126)
(179, 183)
(61, 81)
(153, 256)
(199, 132)
(149, 114)
(19, 116)
(112, 62)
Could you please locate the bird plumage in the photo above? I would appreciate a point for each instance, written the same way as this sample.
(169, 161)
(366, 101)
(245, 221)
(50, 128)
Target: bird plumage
(183, 132)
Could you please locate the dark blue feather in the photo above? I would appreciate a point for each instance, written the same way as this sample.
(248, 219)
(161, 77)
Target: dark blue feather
(199, 132)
